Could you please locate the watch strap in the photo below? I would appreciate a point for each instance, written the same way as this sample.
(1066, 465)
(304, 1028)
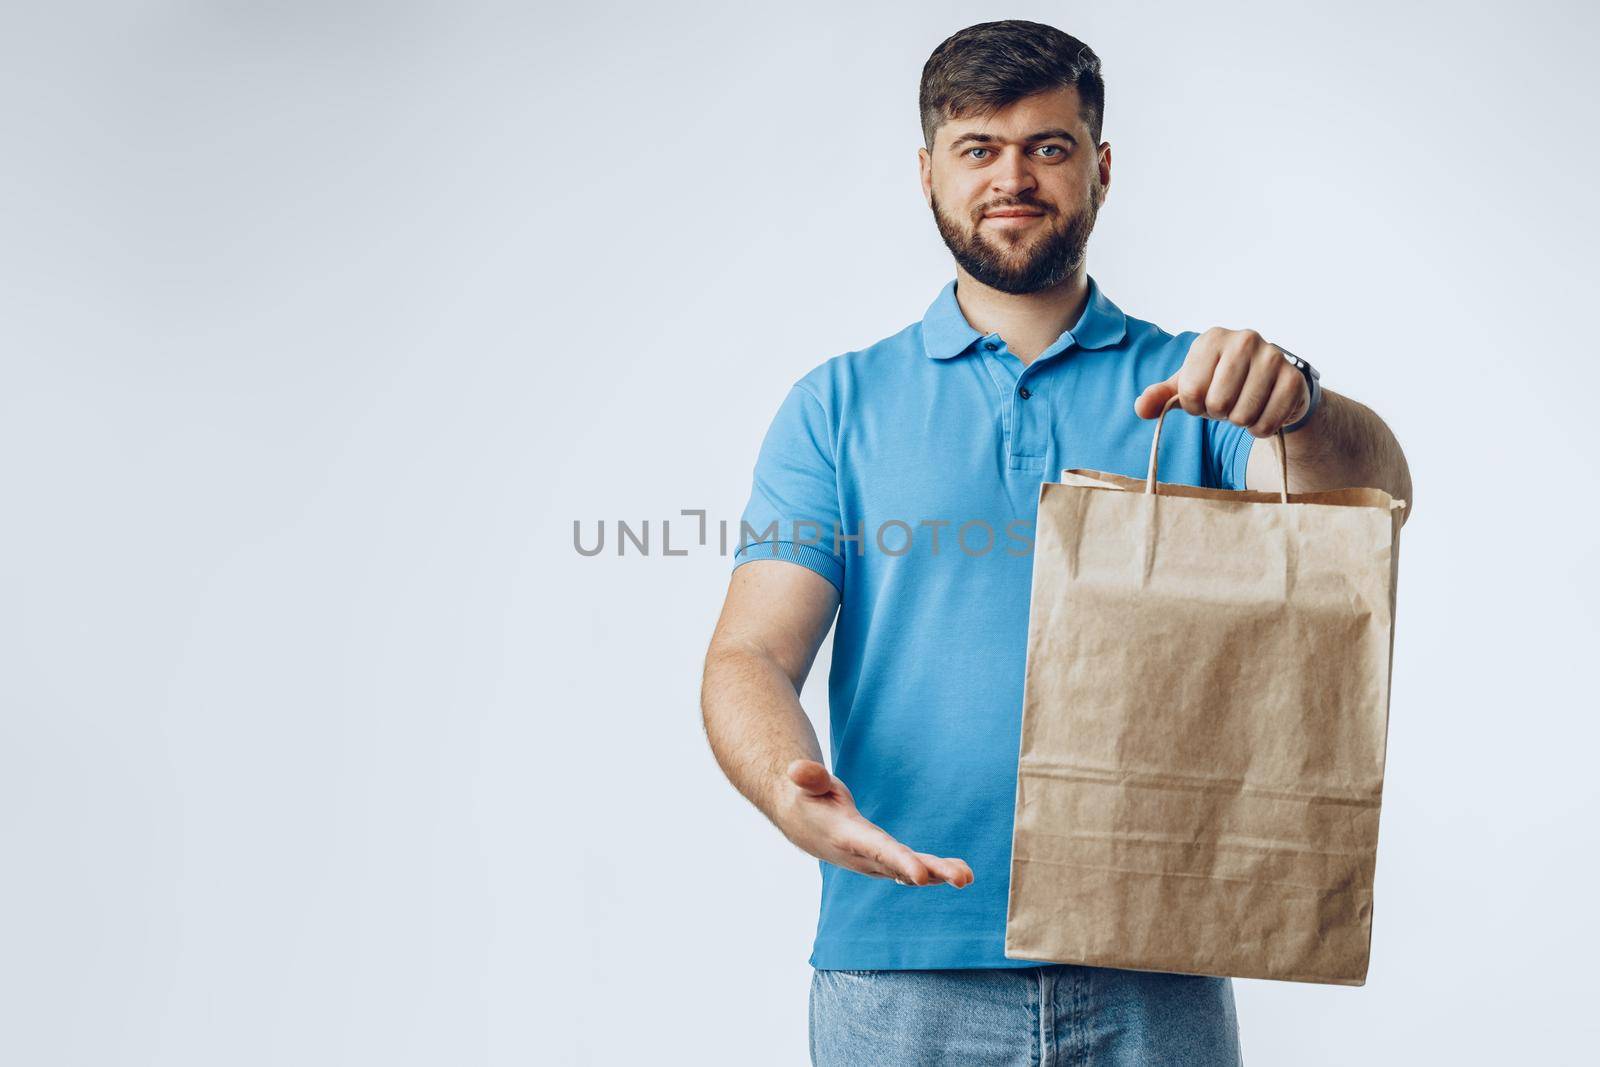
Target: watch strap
(1313, 386)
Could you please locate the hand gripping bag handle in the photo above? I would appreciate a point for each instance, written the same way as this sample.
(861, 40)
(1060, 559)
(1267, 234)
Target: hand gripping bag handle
(1155, 451)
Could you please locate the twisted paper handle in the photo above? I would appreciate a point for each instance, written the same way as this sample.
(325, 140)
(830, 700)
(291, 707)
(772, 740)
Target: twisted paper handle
(1155, 451)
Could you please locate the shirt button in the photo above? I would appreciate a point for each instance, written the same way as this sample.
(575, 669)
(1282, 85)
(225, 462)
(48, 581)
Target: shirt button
(990, 345)
(1023, 392)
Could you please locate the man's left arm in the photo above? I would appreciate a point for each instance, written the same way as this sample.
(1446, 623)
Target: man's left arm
(1238, 376)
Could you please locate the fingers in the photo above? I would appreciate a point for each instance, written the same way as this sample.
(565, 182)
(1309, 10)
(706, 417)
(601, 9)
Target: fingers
(901, 863)
(1287, 398)
(1199, 367)
(887, 858)
(1192, 380)
(1150, 402)
(1227, 382)
(953, 871)
(1233, 375)
(1262, 364)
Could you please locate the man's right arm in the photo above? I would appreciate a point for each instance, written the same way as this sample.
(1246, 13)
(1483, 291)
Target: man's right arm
(772, 624)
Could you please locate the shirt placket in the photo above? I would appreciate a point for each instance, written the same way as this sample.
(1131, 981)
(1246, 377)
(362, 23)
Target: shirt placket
(1024, 404)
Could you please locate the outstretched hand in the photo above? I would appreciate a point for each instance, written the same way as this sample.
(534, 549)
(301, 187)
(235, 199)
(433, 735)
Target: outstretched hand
(819, 815)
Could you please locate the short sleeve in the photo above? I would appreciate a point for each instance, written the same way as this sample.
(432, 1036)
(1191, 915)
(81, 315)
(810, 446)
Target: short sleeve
(1227, 453)
(793, 513)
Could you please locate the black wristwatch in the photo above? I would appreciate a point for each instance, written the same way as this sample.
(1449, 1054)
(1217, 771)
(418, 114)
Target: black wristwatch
(1315, 390)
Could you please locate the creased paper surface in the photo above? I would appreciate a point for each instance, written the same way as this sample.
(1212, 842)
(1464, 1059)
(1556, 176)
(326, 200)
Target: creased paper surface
(1205, 718)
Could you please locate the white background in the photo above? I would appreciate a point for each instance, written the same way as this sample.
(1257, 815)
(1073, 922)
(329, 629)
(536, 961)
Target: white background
(321, 323)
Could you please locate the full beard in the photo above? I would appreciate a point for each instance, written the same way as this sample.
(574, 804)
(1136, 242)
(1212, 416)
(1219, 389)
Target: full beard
(1053, 258)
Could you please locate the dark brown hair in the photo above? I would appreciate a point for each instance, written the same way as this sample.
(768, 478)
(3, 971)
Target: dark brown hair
(986, 67)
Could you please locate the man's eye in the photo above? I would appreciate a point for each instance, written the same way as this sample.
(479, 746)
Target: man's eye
(1055, 148)
(972, 150)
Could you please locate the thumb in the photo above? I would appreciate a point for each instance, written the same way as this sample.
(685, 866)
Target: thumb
(811, 776)
(1150, 402)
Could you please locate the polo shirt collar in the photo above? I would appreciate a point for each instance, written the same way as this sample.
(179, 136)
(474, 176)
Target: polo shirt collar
(946, 332)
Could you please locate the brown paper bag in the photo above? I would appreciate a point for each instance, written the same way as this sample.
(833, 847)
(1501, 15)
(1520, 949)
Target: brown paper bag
(1204, 724)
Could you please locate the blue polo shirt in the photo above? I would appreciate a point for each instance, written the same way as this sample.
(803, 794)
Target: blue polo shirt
(907, 474)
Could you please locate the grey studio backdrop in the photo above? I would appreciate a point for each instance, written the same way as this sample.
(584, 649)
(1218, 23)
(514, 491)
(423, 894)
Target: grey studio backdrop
(323, 322)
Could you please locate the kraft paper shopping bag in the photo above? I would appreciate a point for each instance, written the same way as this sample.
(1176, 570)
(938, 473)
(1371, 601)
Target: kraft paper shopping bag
(1205, 719)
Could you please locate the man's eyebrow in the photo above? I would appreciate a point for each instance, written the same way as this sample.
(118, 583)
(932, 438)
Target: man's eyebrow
(984, 138)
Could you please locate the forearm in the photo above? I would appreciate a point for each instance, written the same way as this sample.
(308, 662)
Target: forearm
(755, 724)
(1346, 444)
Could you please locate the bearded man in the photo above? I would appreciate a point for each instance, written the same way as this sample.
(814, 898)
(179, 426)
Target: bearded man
(896, 489)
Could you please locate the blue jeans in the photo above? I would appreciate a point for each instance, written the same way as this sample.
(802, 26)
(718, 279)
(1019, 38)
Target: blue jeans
(1043, 1016)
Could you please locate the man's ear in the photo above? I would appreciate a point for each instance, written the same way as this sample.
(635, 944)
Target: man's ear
(1105, 167)
(925, 173)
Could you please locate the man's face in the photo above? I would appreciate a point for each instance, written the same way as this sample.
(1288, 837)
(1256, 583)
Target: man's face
(1015, 194)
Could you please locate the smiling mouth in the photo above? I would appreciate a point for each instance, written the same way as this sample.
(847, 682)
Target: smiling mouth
(1013, 221)
(1013, 216)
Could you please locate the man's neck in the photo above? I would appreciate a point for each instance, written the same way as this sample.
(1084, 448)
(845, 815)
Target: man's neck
(1029, 322)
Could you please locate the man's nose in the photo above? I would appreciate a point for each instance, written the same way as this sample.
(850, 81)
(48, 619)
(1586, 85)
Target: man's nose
(1012, 174)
